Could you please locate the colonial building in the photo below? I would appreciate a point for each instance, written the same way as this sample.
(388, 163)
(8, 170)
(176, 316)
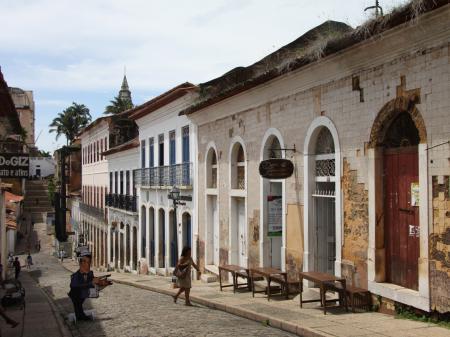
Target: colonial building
(97, 138)
(24, 103)
(363, 114)
(9, 126)
(167, 153)
(121, 201)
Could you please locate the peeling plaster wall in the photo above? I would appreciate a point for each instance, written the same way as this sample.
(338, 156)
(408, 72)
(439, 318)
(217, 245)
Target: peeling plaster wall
(413, 56)
(440, 245)
(356, 228)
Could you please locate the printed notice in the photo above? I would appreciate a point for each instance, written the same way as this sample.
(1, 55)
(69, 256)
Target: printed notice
(415, 194)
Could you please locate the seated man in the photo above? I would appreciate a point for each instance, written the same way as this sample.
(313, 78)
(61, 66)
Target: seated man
(80, 283)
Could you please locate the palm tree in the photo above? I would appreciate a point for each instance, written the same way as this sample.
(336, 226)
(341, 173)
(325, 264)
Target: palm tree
(118, 105)
(71, 121)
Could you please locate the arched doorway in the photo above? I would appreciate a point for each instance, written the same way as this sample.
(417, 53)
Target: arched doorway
(128, 245)
(398, 204)
(238, 216)
(212, 244)
(151, 224)
(135, 248)
(162, 238)
(272, 223)
(187, 230)
(122, 246)
(143, 231)
(322, 212)
(173, 237)
(401, 212)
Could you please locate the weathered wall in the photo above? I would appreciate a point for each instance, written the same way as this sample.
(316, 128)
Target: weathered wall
(294, 240)
(440, 245)
(409, 59)
(356, 228)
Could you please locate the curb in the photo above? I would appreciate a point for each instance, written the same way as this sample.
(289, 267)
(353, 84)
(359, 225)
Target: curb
(248, 314)
(62, 326)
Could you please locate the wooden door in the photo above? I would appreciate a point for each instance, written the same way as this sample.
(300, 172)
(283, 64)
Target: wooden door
(401, 216)
(242, 235)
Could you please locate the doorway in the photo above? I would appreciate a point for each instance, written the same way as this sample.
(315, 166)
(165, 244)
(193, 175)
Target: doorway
(401, 188)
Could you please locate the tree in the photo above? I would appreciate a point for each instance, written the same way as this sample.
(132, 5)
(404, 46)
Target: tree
(43, 153)
(71, 121)
(118, 105)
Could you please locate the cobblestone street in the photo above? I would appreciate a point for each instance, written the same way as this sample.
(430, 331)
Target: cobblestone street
(128, 311)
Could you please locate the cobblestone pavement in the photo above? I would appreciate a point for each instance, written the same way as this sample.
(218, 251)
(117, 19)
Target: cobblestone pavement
(128, 311)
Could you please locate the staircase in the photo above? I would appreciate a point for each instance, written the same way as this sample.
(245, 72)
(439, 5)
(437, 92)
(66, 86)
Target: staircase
(36, 200)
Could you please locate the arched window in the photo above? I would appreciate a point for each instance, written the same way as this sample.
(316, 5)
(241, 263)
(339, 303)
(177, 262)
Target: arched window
(238, 167)
(211, 169)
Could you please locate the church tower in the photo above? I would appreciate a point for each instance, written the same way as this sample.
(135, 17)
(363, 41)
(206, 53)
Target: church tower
(125, 93)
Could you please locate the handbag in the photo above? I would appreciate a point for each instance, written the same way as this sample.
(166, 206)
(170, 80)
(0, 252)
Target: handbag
(181, 272)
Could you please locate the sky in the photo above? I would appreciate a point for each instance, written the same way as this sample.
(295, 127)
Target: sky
(77, 51)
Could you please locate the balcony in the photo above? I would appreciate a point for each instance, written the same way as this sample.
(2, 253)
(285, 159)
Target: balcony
(179, 175)
(92, 211)
(121, 201)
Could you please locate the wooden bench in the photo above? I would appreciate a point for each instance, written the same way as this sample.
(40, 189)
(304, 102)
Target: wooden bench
(356, 297)
(236, 272)
(286, 285)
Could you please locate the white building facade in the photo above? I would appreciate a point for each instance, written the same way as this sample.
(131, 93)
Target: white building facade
(121, 202)
(95, 180)
(167, 149)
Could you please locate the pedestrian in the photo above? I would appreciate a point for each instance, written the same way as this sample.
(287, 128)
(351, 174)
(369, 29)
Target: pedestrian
(17, 267)
(38, 246)
(61, 255)
(29, 261)
(10, 260)
(80, 284)
(183, 273)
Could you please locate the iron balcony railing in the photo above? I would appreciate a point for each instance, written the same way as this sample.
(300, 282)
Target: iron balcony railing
(121, 201)
(165, 176)
(93, 211)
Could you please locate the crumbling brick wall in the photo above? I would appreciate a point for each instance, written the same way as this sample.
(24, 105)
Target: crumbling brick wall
(356, 228)
(440, 246)
(253, 240)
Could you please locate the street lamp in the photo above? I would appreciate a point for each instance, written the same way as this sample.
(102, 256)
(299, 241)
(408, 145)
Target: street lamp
(174, 194)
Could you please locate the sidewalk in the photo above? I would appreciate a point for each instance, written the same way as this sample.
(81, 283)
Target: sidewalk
(39, 318)
(285, 314)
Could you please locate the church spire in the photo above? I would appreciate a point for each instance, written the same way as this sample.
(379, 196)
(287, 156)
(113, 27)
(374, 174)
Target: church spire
(125, 93)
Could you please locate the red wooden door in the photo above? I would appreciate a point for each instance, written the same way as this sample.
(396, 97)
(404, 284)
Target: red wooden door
(401, 217)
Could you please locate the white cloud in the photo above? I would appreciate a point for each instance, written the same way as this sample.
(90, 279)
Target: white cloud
(83, 45)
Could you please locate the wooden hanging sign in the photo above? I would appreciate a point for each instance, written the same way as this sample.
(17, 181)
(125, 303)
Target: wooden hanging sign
(276, 168)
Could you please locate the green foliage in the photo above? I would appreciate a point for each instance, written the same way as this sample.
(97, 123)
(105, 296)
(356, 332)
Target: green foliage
(43, 153)
(407, 312)
(118, 105)
(71, 121)
(51, 189)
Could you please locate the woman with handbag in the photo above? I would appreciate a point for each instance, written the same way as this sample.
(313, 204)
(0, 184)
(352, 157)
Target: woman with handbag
(183, 273)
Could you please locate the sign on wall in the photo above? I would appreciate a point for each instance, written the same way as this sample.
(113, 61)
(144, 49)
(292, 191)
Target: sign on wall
(274, 215)
(276, 168)
(14, 165)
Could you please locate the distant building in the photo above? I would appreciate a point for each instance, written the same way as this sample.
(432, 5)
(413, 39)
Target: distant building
(125, 93)
(24, 103)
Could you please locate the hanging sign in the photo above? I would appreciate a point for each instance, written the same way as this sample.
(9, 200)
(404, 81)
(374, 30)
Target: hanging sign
(14, 165)
(274, 215)
(276, 168)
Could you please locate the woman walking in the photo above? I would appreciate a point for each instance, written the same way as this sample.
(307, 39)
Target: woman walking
(183, 273)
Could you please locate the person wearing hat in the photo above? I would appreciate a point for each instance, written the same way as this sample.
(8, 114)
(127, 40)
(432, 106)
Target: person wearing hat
(80, 283)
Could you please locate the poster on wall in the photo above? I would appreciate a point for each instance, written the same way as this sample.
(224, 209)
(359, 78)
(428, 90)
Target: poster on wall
(274, 215)
(415, 194)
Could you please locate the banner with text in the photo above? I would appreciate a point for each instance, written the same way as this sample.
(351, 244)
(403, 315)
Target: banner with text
(275, 215)
(14, 165)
